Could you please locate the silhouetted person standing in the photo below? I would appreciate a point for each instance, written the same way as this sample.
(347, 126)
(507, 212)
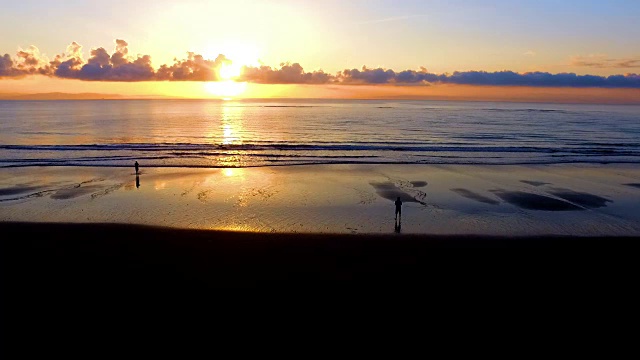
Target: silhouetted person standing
(136, 166)
(398, 207)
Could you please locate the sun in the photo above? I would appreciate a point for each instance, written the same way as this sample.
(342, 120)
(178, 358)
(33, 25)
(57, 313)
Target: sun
(239, 55)
(227, 87)
(230, 71)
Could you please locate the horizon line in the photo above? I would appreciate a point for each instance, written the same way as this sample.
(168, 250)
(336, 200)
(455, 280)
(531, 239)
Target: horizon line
(108, 97)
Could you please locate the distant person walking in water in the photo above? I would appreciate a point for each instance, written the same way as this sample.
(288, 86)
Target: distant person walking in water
(136, 166)
(398, 207)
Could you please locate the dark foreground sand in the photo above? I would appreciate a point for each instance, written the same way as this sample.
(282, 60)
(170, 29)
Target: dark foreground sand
(112, 257)
(64, 285)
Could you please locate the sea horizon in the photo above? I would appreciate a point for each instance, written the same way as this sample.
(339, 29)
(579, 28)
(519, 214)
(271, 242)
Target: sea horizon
(118, 97)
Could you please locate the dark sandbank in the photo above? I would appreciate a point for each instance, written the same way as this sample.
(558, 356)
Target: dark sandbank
(18, 189)
(77, 191)
(534, 183)
(475, 196)
(389, 191)
(530, 201)
(636, 185)
(587, 200)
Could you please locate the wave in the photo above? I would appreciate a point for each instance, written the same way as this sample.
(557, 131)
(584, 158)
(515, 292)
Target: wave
(528, 110)
(283, 154)
(289, 106)
(209, 149)
(273, 162)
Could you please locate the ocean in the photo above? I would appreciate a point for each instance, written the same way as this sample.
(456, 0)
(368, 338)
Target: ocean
(255, 133)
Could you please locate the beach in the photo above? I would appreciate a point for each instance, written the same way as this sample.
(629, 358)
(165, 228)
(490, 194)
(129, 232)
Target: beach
(301, 225)
(99, 247)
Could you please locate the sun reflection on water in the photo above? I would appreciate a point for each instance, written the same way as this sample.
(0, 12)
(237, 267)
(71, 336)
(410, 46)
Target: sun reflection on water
(228, 136)
(229, 133)
(231, 124)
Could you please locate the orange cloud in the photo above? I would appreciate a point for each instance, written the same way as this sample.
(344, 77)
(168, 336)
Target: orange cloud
(286, 74)
(602, 61)
(194, 68)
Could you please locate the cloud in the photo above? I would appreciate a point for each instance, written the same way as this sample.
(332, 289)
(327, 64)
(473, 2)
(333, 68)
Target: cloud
(103, 67)
(368, 76)
(122, 66)
(529, 53)
(498, 78)
(194, 68)
(26, 62)
(6, 66)
(286, 74)
(604, 62)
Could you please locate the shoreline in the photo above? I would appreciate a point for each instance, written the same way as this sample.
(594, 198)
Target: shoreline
(115, 232)
(574, 200)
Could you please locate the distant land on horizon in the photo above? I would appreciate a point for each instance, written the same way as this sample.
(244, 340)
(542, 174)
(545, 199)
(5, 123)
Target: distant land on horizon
(62, 96)
(100, 96)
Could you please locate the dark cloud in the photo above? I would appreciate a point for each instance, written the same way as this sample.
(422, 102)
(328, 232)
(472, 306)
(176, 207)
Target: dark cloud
(194, 68)
(499, 78)
(26, 62)
(122, 66)
(286, 74)
(368, 76)
(104, 67)
(6, 66)
(68, 64)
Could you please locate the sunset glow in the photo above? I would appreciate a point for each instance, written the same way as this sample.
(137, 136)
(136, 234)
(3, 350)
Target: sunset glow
(233, 50)
(227, 72)
(228, 88)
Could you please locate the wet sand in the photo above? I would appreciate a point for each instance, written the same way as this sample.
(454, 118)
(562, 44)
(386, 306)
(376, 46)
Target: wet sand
(534, 200)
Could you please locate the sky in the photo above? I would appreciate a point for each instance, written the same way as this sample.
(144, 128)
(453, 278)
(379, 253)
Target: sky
(323, 48)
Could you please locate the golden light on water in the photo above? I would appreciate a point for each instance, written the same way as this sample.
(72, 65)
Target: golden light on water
(229, 131)
(231, 124)
(228, 135)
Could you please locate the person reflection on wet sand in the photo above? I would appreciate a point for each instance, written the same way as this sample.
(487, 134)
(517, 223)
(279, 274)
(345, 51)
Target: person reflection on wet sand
(137, 181)
(398, 226)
